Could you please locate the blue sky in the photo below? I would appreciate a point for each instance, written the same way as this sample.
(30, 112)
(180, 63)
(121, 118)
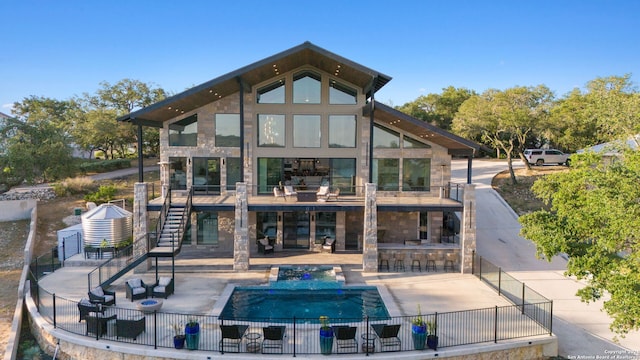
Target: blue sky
(61, 49)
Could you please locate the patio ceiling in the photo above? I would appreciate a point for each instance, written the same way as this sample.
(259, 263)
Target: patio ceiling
(394, 118)
(247, 77)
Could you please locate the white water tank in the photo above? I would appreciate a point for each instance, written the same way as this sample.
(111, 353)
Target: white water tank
(106, 222)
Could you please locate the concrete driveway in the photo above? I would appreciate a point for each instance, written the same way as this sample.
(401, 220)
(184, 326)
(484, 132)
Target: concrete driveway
(582, 329)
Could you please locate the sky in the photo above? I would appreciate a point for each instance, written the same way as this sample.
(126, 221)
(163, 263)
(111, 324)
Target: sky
(66, 48)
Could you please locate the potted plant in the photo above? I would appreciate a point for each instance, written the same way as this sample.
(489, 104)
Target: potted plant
(432, 338)
(192, 334)
(178, 338)
(418, 331)
(326, 336)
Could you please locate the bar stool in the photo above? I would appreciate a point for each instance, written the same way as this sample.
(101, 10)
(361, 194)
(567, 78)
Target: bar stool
(416, 260)
(449, 261)
(431, 261)
(384, 260)
(399, 261)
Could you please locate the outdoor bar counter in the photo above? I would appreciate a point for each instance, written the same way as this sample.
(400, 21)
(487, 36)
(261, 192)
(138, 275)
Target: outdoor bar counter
(399, 254)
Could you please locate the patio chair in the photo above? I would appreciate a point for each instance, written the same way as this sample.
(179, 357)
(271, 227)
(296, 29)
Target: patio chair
(346, 339)
(99, 295)
(85, 307)
(130, 328)
(450, 261)
(277, 193)
(273, 338)
(288, 191)
(264, 247)
(333, 195)
(163, 287)
(388, 336)
(323, 191)
(329, 245)
(136, 289)
(232, 336)
(98, 324)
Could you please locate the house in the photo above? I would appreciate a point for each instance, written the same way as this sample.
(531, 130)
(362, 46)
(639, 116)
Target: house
(251, 155)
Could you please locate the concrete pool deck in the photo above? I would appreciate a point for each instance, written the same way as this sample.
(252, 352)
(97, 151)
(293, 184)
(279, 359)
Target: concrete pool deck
(200, 283)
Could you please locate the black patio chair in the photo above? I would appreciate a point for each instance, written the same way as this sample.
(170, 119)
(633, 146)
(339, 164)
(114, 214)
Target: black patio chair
(388, 336)
(85, 307)
(232, 336)
(99, 295)
(273, 338)
(346, 339)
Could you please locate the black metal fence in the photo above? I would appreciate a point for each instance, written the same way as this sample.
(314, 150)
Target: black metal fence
(531, 303)
(300, 335)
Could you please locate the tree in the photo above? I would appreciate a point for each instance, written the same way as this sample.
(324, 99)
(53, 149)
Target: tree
(505, 119)
(438, 109)
(594, 219)
(608, 110)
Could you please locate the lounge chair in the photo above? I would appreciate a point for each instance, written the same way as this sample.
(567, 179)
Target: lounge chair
(277, 193)
(85, 307)
(288, 191)
(329, 245)
(345, 339)
(273, 338)
(163, 287)
(136, 289)
(232, 336)
(333, 195)
(264, 247)
(322, 191)
(98, 324)
(99, 295)
(388, 336)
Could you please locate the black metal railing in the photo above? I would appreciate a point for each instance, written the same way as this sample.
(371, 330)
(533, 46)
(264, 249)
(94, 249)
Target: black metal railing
(106, 271)
(45, 263)
(531, 303)
(301, 335)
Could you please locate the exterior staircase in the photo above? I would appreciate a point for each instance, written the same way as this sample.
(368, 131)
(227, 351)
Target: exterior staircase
(171, 226)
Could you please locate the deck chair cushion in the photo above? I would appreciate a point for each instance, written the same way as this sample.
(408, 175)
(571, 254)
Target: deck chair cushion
(135, 283)
(97, 291)
(164, 281)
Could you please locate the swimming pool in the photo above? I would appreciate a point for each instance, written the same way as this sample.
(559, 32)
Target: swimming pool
(265, 303)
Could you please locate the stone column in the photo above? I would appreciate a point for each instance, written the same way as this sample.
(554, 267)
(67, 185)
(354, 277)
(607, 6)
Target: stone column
(241, 233)
(370, 230)
(140, 220)
(468, 229)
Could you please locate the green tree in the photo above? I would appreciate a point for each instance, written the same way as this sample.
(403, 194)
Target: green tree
(594, 219)
(505, 119)
(608, 109)
(438, 109)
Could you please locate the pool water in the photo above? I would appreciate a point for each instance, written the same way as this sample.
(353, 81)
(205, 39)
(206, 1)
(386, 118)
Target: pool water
(348, 303)
(306, 273)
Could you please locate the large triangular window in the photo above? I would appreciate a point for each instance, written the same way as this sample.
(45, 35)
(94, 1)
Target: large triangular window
(272, 93)
(340, 94)
(306, 88)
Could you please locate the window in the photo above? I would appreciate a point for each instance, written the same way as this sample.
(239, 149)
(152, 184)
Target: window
(207, 228)
(325, 226)
(385, 174)
(343, 174)
(306, 131)
(227, 130)
(272, 93)
(271, 130)
(409, 143)
(233, 172)
(342, 131)
(416, 174)
(340, 94)
(206, 174)
(184, 132)
(269, 174)
(178, 173)
(266, 225)
(306, 88)
(384, 138)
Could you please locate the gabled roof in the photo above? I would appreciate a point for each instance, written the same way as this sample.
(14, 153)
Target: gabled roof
(422, 129)
(250, 75)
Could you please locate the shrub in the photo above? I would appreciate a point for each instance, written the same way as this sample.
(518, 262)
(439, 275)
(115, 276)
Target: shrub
(104, 194)
(72, 186)
(104, 166)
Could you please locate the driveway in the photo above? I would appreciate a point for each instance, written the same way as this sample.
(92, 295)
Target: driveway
(582, 329)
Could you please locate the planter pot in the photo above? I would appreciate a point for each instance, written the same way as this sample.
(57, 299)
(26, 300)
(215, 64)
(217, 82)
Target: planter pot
(178, 341)
(419, 334)
(192, 334)
(326, 341)
(432, 342)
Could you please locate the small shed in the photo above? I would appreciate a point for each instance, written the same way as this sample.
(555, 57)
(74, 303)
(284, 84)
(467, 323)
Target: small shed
(69, 241)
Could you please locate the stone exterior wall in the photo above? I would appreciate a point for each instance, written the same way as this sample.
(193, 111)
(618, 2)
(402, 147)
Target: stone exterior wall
(468, 229)
(398, 226)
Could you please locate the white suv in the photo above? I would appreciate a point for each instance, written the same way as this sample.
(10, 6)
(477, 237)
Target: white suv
(546, 156)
